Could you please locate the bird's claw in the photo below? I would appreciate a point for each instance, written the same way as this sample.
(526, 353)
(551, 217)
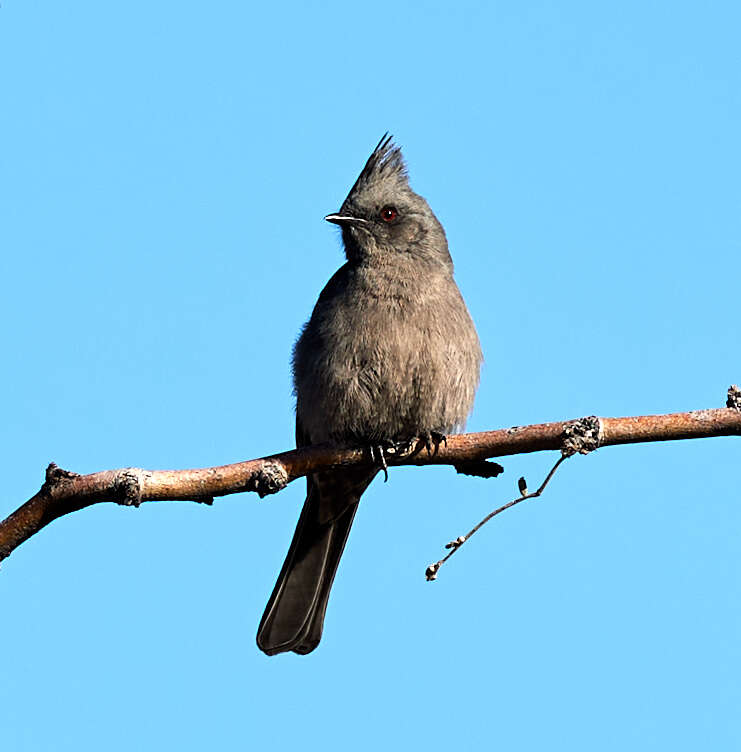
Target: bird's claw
(378, 456)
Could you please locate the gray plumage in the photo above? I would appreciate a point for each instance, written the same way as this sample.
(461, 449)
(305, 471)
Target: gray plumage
(389, 353)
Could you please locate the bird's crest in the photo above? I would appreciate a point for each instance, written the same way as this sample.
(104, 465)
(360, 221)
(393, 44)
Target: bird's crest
(385, 163)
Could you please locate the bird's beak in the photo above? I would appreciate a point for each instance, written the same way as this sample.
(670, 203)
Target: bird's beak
(342, 219)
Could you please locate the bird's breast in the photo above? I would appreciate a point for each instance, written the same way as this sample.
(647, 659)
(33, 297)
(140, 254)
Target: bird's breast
(389, 362)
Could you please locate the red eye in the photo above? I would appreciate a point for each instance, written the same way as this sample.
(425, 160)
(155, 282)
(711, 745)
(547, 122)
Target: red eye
(389, 214)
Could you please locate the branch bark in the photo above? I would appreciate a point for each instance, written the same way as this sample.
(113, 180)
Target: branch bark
(64, 492)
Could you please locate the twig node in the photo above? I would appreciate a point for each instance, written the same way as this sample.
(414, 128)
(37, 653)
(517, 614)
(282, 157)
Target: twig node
(734, 397)
(269, 479)
(128, 486)
(479, 468)
(581, 436)
(56, 476)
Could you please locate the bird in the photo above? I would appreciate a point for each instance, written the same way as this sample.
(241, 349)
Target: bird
(390, 355)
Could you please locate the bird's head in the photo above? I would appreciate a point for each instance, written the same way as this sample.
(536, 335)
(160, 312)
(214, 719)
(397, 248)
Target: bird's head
(383, 219)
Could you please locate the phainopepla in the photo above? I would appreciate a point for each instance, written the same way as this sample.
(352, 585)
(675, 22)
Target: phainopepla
(389, 354)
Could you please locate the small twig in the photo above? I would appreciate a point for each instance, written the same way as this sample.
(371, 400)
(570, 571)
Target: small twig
(579, 436)
(433, 569)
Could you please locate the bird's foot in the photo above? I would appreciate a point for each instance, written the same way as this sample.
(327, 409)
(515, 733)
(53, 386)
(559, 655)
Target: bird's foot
(429, 440)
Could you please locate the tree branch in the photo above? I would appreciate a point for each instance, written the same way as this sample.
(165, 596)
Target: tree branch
(64, 492)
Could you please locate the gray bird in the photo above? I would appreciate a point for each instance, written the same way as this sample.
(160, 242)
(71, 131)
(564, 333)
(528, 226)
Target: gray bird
(390, 354)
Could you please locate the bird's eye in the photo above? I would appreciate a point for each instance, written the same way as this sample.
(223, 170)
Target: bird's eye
(389, 214)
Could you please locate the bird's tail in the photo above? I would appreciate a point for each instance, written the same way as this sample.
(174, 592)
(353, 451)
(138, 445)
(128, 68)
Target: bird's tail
(294, 616)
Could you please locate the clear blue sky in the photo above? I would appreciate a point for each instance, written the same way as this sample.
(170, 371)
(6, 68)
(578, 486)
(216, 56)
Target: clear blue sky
(164, 171)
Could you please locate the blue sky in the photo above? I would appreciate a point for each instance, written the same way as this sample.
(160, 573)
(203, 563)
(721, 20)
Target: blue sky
(164, 172)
